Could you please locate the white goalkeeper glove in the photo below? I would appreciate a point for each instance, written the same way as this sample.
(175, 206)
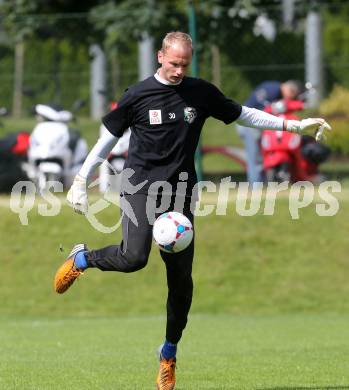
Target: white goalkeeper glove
(77, 195)
(313, 126)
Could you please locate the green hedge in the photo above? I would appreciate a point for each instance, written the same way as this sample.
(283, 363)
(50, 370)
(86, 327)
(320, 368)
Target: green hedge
(336, 111)
(339, 139)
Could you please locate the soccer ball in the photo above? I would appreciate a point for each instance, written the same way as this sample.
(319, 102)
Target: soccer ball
(172, 232)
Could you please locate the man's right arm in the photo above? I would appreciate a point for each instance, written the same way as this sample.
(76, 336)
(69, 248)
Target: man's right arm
(77, 195)
(116, 122)
(98, 154)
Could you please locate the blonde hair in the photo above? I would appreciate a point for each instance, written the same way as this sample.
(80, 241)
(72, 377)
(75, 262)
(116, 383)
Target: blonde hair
(176, 37)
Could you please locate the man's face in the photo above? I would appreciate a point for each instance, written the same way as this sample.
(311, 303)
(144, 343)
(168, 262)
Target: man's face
(174, 62)
(289, 93)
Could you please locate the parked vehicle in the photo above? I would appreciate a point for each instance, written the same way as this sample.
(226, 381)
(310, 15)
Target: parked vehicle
(56, 151)
(13, 155)
(288, 156)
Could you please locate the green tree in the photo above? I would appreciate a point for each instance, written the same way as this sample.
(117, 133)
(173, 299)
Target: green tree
(336, 43)
(29, 21)
(220, 23)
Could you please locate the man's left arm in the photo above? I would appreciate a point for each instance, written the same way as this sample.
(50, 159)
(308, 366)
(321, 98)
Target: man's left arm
(251, 117)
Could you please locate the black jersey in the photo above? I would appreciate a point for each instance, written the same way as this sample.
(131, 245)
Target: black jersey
(166, 122)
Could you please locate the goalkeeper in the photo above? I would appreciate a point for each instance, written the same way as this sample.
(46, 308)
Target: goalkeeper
(166, 113)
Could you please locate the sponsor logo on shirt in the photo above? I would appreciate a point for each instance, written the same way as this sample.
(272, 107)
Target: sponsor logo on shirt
(189, 114)
(155, 117)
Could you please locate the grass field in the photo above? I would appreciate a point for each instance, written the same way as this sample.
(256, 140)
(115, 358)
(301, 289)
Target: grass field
(218, 352)
(270, 309)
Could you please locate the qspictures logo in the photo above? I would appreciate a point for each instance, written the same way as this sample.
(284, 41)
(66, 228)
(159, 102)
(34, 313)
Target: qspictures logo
(207, 198)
